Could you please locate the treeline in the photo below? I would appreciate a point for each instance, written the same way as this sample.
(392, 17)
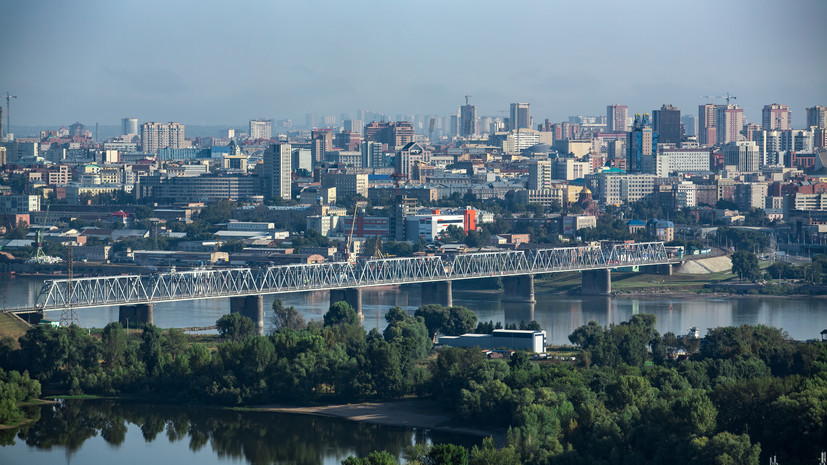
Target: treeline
(636, 397)
(14, 389)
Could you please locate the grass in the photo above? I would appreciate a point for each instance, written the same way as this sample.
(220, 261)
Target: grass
(633, 282)
(12, 326)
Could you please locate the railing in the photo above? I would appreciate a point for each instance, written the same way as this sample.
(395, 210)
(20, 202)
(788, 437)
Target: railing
(229, 282)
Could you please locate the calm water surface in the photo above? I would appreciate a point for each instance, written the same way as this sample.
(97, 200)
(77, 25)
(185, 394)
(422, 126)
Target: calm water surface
(102, 432)
(802, 318)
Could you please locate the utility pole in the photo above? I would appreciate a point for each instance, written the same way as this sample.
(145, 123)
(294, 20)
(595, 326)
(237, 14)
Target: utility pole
(8, 112)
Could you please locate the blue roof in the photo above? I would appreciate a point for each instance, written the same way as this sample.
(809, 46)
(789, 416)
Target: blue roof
(636, 223)
(379, 177)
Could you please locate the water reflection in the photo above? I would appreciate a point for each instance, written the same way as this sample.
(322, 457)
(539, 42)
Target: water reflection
(254, 437)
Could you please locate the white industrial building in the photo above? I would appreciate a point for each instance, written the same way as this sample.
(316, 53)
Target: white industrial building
(508, 339)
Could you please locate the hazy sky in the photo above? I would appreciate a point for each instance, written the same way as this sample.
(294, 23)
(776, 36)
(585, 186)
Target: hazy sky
(220, 62)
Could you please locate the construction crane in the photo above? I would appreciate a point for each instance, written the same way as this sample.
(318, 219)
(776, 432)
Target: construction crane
(377, 249)
(351, 254)
(8, 112)
(727, 97)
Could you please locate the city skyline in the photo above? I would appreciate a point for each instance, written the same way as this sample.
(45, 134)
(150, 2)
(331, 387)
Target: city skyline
(266, 67)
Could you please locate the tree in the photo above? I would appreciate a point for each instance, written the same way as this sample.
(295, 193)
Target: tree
(341, 313)
(434, 316)
(235, 327)
(374, 458)
(286, 317)
(113, 339)
(452, 234)
(745, 265)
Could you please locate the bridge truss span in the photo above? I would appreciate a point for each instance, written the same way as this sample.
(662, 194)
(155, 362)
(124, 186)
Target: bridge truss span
(236, 282)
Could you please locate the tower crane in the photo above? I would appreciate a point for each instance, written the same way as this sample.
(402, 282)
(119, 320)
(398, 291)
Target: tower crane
(727, 97)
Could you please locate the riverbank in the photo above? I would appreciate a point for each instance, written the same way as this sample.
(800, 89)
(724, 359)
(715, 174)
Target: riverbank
(409, 413)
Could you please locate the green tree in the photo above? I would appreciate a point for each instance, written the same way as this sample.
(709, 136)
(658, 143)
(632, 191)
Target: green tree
(460, 321)
(235, 327)
(452, 234)
(374, 458)
(745, 265)
(341, 313)
(113, 345)
(286, 317)
(434, 315)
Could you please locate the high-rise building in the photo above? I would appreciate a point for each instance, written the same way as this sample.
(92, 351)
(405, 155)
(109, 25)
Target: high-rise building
(539, 175)
(411, 154)
(775, 116)
(311, 120)
(396, 135)
(641, 144)
(468, 120)
(321, 142)
(797, 140)
(690, 125)
(520, 116)
(354, 125)
(743, 154)
(769, 145)
(817, 116)
(277, 163)
(707, 129)
(372, 155)
(667, 123)
(129, 126)
(261, 129)
(729, 121)
(156, 136)
(617, 118)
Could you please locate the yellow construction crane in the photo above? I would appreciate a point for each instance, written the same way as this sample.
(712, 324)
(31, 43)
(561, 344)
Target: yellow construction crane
(351, 254)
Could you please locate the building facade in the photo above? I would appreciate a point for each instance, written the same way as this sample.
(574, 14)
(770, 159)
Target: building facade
(278, 160)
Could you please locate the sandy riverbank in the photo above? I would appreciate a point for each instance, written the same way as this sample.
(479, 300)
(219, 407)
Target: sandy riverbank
(411, 413)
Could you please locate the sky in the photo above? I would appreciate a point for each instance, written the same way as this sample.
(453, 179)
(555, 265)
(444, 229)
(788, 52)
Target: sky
(206, 62)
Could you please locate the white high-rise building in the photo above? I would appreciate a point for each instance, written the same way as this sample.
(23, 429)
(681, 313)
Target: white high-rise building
(769, 146)
(743, 154)
(261, 129)
(129, 126)
(539, 175)
(156, 136)
(277, 169)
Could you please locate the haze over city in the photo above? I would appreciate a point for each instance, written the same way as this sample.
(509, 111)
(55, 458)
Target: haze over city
(219, 63)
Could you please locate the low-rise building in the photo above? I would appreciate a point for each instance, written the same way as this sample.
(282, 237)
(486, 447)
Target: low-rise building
(505, 339)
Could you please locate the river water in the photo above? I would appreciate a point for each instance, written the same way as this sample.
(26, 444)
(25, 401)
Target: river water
(102, 432)
(803, 318)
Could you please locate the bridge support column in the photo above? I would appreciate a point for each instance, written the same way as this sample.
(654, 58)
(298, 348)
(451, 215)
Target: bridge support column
(251, 306)
(438, 292)
(351, 295)
(596, 282)
(518, 288)
(141, 313)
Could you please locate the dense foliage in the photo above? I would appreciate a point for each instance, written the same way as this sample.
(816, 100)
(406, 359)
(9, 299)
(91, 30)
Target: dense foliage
(736, 396)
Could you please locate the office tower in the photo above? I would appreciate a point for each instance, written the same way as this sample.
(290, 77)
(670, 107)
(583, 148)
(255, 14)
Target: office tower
(729, 121)
(707, 129)
(277, 164)
(667, 123)
(690, 125)
(311, 120)
(156, 136)
(775, 116)
(372, 155)
(616, 118)
(539, 175)
(750, 130)
(321, 141)
(641, 144)
(769, 144)
(468, 120)
(354, 125)
(261, 129)
(129, 126)
(2, 134)
(406, 158)
(817, 116)
(743, 154)
(520, 116)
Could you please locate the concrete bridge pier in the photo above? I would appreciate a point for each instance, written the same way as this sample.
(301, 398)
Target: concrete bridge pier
(596, 282)
(141, 313)
(351, 295)
(437, 292)
(251, 306)
(663, 270)
(518, 288)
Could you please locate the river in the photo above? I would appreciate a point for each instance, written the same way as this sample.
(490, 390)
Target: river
(102, 432)
(803, 318)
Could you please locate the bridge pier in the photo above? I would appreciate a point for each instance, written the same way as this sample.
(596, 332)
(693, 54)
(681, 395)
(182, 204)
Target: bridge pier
(351, 295)
(141, 313)
(664, 270)
(438, 292)
(518, 288)
(596, 282)
(251, 306)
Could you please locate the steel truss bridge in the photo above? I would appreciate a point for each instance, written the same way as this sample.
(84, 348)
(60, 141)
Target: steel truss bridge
(197, 284)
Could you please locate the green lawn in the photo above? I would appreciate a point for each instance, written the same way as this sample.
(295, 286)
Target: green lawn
(632, 282)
